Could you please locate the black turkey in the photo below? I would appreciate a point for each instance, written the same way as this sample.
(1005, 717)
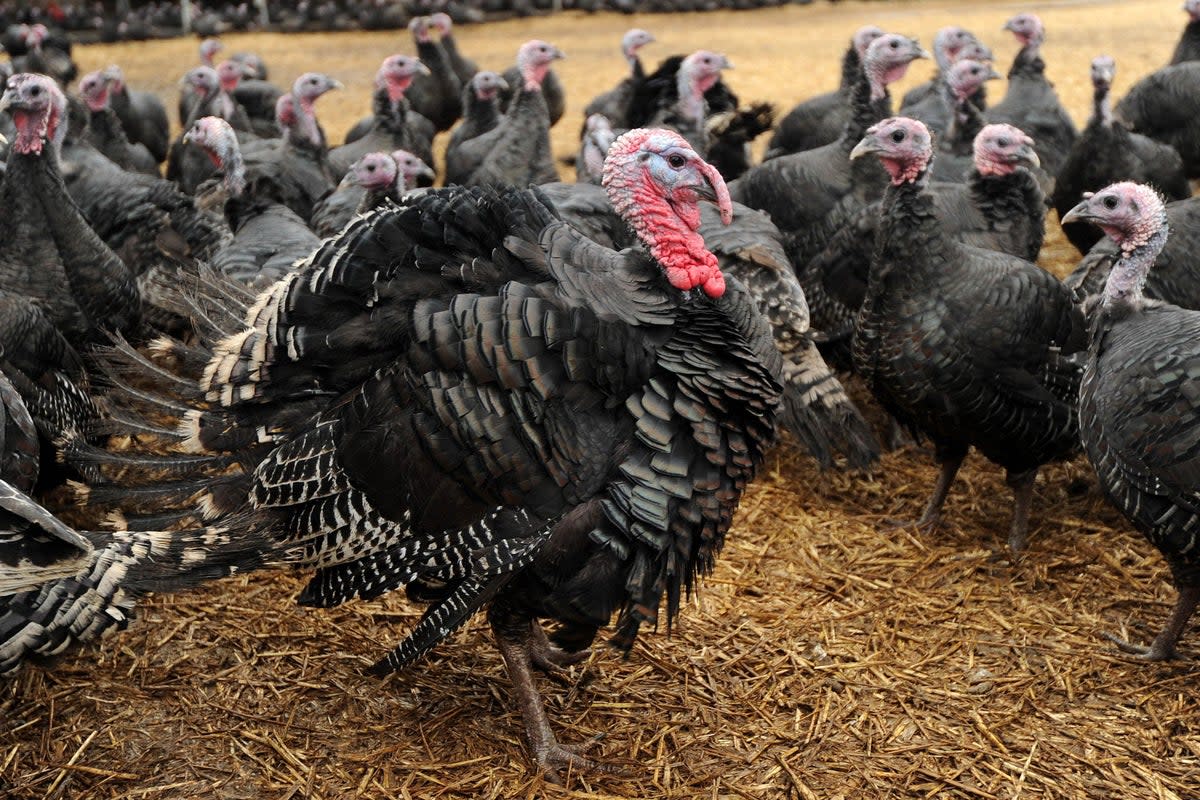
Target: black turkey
(933, 102)
(1175, 278)
(698, 73)
(372, 180)
(1002, 381)
(1138, 406)
(1031, 103)
(142, 114)
(48, 253)
(463, 67)
(1107, 152)
(1162, 106)
(550, 429)
(481, 113)
(817, 410)
(395, 125)
(598, 136)
(436, 93)
(268, 236)
(105, 131)
(956, 148)
(1188, 48)
(614, 104)
(1000, 207)
(517, 151)
(185, 165)
(819, 120)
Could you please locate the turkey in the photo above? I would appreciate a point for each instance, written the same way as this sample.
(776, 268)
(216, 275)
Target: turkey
(44, 58)
(1031, 103)
(373, 179)
(1162, 106)
(964, 79)
(255, 93)
(142, 115)
(820, 120)
(436, 93)
(1004, 381)
(464, 68)
(1000, 207)
(298, 165)
(517, 151)
(1188, 48)
(1138, 408)
(697, 74)
(481, 113)
(1175, 278)
(561, 431)
(36, 548)
(614, 104)
(1107, 152)
(802, 192)
(268, 235)
(105, 131)
(934, 102)
(816, 410)
(186, 166)
(395, 125)
(553, 91)
(48, 253)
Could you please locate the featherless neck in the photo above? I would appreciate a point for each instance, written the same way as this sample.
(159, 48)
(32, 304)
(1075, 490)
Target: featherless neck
(1128, 276)
(1102, 105)
(670, 235)
(231, 163)
(306, 122)
(691, 94)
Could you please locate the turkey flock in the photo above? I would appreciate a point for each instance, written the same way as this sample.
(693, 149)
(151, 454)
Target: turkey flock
(246, 342)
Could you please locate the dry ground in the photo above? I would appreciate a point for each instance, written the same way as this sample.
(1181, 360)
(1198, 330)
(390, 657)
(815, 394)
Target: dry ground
(828, 657)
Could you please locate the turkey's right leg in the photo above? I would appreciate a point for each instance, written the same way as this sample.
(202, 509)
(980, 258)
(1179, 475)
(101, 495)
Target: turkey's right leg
(1163, 646)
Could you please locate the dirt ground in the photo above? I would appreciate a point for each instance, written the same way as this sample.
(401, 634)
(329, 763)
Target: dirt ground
(830, 655)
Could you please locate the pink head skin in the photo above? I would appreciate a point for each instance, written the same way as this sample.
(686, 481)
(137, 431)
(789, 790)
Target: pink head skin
(1104, 69)
(965, 78)
(375, 172)
(93, 89)
(441, 22)
(37, 107)
(1133, 216)
(487, 84)
(208, 51)
(1027, 28)
(285, 112)
(633, 41)
(701, 71)
(655, 181)
(396, 75)
(230, 74)
(408, 169)
(975, 50)
(533, 61)
(419, 27)
(1000, 149)
(902, 145)
(863, 37)
(1192, 8)
(202, 81)
(948, 42)
(215, 136)
(887, 60)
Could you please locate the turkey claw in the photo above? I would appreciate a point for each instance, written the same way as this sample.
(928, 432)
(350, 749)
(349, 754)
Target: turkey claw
(1153, 652)
(556, 758)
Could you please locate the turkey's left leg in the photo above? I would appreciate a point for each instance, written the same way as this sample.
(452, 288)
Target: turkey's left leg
(1163, 646)
(1021, 484)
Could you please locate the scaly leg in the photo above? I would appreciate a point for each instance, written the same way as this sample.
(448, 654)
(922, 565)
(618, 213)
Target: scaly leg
(1163, 647)
(933, 509)
(1022, 486)
(549, 657)
(517, 643)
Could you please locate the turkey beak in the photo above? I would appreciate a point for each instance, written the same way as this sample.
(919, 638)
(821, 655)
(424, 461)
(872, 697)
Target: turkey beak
(334, 83)
(921, 51)
(427, 172)
(1009, 26)
(1028, 156)
(726, 63)
(558, 54)
(867, 146)
(422, 69)
(3, 140)
(1080, 213)
(501, 84)
(993, 75)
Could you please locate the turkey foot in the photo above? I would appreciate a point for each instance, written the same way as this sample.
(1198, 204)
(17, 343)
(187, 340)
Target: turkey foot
(517, 646)
(1163, 646)
(933, 509)
(550, 658)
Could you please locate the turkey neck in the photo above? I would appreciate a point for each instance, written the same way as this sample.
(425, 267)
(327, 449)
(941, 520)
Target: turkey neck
(107, 135)
(965, 124)
(864, 112)
(1028, 62)
(96, 279)
(1188, 48)
(1102, 105)
(1128, 275)
(479, 114)
(391, 114)
(910, 226)
(691, 105)
(851, 70)
(434, 57)
(1012, 204)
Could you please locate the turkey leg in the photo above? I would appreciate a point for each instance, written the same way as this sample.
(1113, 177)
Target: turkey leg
(1163, 647)
(1022, 486)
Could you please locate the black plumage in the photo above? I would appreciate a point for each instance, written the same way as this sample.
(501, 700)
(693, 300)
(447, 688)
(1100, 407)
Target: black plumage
(1002, 381)
(1138, 405)
(1188, 48)
(1162, 105)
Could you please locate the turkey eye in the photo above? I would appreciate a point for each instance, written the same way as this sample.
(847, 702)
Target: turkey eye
(894, 45)
(1110, 202)
(1002, 142)
(35, 91)
(897, 136)
(676, 160)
